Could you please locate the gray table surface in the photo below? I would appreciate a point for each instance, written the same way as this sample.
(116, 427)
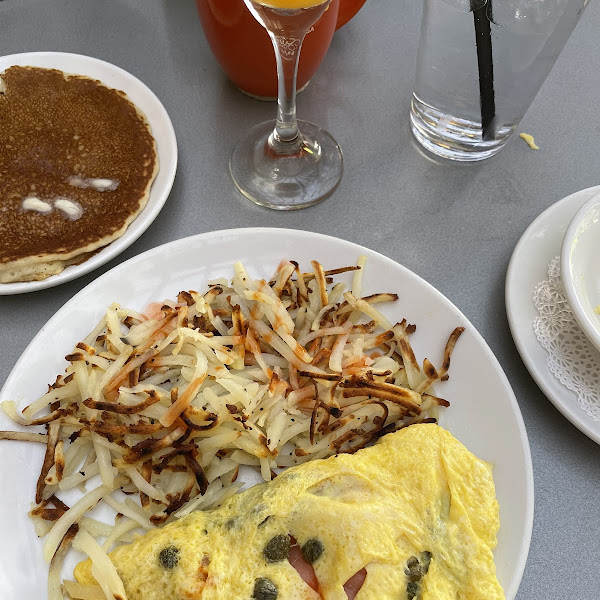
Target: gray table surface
(454, 226)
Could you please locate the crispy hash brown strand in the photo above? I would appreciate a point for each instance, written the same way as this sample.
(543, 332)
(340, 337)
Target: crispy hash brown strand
(168, 404)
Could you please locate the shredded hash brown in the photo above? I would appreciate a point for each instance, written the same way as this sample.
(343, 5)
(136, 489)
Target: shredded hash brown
(167, 405)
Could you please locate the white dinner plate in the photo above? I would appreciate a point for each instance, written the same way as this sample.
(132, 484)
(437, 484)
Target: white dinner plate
(162, 130)
(484, 414)
(528, 266)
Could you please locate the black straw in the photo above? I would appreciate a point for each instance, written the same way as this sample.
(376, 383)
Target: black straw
(485, 63)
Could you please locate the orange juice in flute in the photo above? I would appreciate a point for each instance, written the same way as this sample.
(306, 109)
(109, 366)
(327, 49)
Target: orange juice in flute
(283, 164)
(304, 11)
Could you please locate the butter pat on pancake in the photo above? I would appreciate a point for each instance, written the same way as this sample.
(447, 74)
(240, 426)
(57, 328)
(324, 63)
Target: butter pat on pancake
(417, 512)
(79, 147)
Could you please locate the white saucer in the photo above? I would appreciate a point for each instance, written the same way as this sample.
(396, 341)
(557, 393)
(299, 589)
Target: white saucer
(540, 243)
(166, 144)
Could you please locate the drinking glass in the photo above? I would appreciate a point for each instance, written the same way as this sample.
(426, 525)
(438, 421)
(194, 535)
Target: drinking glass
(480, 64)
(286, 164)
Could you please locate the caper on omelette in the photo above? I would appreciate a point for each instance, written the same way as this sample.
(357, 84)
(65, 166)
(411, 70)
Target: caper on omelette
(413, 517)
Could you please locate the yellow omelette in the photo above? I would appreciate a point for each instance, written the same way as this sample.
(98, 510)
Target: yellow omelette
(416, 513)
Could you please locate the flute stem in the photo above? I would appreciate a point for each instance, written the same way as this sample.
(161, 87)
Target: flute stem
(287, 29)
(285, 137)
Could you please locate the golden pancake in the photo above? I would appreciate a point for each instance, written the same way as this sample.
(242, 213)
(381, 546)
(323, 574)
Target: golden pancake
(415, 517)
(77, 162)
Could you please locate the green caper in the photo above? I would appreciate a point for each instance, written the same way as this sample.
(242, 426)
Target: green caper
(412, 589)
(412, 561)
(413, 569)
(312, 550)
(169, 557)
(425, 560)
(264, 589)
(277, 548)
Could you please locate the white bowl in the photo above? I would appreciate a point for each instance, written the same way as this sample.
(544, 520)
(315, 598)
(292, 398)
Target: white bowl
(580, 267)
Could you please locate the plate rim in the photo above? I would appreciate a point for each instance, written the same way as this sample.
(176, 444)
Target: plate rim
(167, 164)
(577, 417)
(521, 559)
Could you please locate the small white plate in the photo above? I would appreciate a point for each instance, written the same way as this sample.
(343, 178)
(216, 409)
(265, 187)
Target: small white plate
(484, 414)
(580, 267)
(162, 130)
(540, 243)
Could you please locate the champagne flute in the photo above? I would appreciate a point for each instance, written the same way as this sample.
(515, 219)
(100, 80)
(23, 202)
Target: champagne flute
(286, 164)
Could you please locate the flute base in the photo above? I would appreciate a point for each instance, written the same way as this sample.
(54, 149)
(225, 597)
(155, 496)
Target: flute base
(308, 172)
